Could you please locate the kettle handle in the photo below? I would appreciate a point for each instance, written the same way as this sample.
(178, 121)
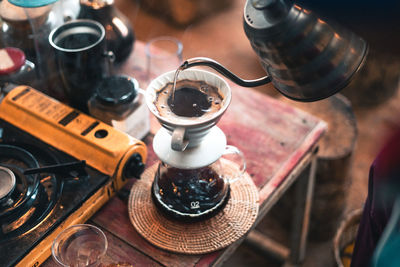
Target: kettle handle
(204, 61)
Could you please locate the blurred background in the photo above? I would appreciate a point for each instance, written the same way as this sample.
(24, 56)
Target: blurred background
(359, 119)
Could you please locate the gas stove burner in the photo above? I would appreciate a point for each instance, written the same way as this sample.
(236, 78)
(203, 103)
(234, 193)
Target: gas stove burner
(26, 198)
(14, 160)
(7, 183)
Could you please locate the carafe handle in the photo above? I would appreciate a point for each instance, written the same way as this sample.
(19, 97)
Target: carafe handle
(236, 156)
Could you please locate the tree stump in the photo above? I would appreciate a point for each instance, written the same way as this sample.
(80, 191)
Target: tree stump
(376, 82)
(334, 162)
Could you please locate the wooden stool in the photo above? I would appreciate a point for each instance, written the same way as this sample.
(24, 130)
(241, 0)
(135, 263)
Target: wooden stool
(333, 163)
(376, 82)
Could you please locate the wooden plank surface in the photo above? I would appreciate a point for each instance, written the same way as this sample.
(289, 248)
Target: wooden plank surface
(273, 136)
(119, 253)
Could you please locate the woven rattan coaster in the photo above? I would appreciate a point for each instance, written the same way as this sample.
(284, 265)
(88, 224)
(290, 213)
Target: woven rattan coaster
(227, 226)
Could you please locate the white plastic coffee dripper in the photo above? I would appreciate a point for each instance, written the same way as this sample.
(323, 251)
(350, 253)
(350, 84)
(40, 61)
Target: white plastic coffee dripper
(188, 132)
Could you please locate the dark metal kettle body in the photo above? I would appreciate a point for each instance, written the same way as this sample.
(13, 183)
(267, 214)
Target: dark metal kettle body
(306, 58)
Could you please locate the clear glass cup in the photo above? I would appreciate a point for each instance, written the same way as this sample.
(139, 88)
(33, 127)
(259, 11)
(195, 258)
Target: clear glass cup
(79, 245)
(163, 54)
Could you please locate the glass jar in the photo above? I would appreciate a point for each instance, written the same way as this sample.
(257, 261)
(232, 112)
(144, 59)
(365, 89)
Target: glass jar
(119, 102)
(27, 27)
(15, 68)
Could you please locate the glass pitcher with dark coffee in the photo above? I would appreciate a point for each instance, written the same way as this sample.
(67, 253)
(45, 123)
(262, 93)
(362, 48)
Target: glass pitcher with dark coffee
(192, 181)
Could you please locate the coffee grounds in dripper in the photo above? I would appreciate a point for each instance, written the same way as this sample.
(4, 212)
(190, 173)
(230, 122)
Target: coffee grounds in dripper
(189, 102)
(192, 99)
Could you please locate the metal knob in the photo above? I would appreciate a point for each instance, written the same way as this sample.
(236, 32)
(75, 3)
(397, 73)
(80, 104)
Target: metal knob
(273, 10)
(134, 167)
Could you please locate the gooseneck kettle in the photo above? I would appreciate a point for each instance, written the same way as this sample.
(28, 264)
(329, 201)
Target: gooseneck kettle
(305, 58)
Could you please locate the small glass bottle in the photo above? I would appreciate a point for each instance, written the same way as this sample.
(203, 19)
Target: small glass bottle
(119, 102)
(26, 24)
(15, 68)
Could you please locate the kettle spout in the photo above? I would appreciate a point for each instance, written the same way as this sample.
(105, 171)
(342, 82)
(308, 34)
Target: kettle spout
(208, 62)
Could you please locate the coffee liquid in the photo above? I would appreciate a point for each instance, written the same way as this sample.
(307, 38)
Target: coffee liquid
(192, 191)
(192, 99)
(189, 102)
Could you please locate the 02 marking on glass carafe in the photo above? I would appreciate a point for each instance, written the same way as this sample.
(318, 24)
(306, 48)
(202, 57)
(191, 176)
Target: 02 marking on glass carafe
(195, 205)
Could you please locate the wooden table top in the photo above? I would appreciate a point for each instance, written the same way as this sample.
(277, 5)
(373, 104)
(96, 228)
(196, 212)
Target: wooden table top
(274, 138)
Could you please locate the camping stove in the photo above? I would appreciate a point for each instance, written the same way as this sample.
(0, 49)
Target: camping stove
(58, 166)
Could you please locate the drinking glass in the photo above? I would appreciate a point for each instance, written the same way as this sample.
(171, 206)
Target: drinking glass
(162, 54)
(79, 245)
